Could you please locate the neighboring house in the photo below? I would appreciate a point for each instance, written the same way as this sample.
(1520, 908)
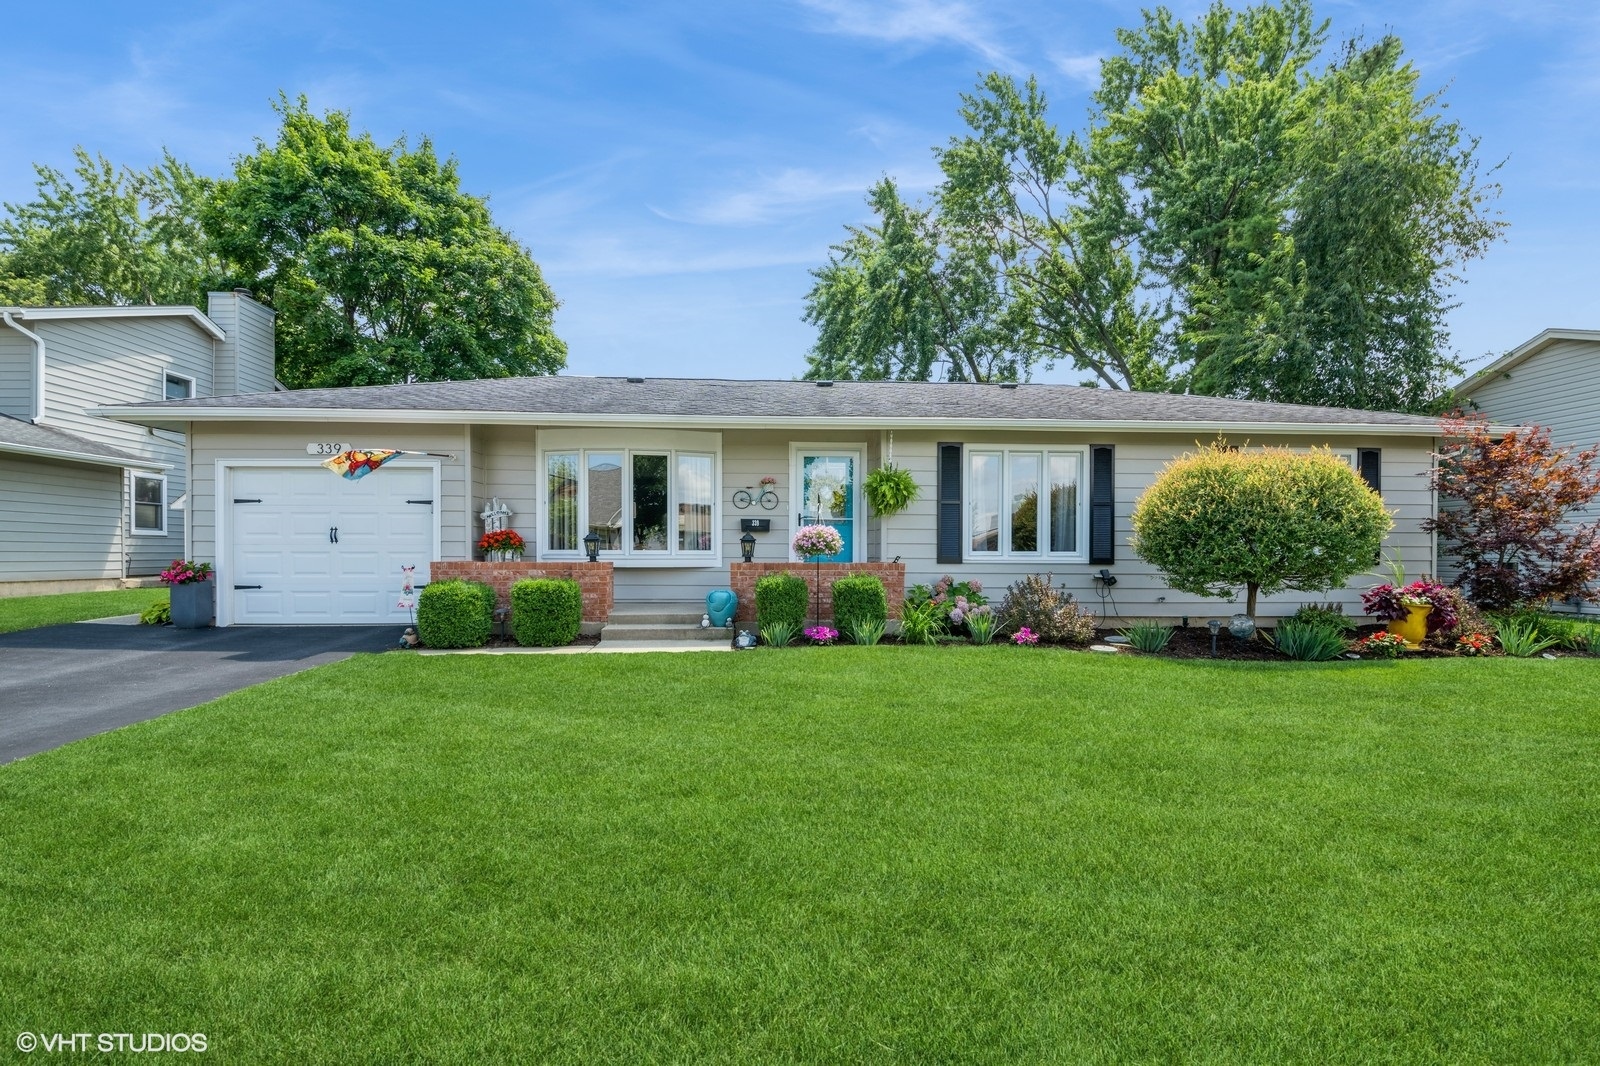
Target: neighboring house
(86, 501)
(652, 467)
(1553, 381)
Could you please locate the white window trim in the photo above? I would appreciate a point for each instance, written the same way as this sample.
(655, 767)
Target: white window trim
(1044, 452)
(671, 446)
(133, 504)
(179, 377)
(797, 452)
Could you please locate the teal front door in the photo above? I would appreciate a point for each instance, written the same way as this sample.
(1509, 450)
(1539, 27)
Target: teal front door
(828, 497)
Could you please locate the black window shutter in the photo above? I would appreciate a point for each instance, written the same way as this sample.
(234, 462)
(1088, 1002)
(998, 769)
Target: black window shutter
(1102, 497)
(1371, 461)
(949, 535)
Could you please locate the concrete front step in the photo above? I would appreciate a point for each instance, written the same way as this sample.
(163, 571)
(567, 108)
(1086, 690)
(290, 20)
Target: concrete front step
(637, 631)
(645, 613)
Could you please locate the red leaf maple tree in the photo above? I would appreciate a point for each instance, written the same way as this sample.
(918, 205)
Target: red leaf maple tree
(1504, 509)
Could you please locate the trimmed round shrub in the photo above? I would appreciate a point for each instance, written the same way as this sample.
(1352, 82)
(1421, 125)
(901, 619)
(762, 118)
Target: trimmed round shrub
(546, 612)
(782, 598)
(1217, 520)
(859, 598)
(455, 614)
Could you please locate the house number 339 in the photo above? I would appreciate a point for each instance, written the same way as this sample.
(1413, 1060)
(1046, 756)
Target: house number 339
(326, 448)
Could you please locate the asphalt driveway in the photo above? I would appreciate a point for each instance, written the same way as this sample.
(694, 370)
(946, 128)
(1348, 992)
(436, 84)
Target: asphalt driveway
(63, 683)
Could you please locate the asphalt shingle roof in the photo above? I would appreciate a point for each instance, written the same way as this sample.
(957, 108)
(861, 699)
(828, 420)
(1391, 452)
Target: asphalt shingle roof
(789, 400)
(15, 433)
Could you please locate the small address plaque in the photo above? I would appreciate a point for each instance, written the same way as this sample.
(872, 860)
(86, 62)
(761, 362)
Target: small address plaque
(326, 448)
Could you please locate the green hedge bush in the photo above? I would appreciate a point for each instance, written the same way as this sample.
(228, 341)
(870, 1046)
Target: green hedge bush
(782, 598)
(455, 614)
(546, 612)
(860, 598)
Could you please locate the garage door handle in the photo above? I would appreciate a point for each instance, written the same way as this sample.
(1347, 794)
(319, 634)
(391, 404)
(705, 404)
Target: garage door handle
(333, 534)
(236, 587)
(237, 500)
(428, 502)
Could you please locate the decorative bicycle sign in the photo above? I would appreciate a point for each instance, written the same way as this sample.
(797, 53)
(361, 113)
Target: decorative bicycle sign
(763, 495)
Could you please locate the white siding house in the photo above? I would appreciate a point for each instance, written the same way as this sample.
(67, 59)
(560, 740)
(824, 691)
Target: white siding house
(87, 500)
(660, 470)
(1552, 380)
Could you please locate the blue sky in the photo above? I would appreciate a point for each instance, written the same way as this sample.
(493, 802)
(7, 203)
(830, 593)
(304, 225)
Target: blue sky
(678, 169)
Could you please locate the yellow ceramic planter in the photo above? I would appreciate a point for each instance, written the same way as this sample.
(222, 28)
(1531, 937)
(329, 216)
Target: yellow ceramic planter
(1414, 626)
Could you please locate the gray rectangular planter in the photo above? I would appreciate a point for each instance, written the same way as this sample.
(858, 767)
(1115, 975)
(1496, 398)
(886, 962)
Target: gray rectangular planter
(194, 606)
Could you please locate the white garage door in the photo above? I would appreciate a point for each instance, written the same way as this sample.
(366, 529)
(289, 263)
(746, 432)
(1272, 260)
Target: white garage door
(309, 547)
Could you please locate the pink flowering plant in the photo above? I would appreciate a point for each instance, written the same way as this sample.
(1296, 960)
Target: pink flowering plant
(952, 600)
(821, 634)
(184, 572)
(811, 542)
(1024, 637)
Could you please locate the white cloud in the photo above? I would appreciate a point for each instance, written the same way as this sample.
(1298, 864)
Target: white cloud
(1083, 69)
(788, 192)
(916, 22)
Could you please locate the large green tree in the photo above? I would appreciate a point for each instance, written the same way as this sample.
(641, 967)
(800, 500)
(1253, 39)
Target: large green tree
(1234, 220)
(108, 235)
(381, 268)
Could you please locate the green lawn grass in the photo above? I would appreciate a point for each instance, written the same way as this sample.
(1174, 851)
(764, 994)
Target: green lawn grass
(826, 855)
(31, 612)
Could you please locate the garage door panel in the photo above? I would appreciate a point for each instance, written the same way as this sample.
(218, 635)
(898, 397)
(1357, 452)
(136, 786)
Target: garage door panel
(283, 543)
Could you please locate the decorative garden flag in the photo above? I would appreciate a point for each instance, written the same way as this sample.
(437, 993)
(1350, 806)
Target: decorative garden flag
(358, 463)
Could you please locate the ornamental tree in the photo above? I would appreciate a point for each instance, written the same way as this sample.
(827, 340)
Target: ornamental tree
(1505, 513)
(1268, 520)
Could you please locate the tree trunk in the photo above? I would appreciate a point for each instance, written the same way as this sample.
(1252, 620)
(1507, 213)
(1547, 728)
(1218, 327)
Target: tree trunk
(1250, 599)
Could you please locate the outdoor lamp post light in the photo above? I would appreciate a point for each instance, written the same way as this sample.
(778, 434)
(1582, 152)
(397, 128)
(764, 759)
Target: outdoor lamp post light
(591, 544)
(1214, 625)
(747, 547)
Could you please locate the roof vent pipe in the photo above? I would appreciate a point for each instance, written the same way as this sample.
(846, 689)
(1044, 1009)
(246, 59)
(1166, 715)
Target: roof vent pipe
(1008, 384)
(636, 381)
(824, 384)
(38, 364)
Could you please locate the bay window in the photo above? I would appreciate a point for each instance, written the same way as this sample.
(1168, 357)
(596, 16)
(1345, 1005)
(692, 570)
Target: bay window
(643, 503)
(1024, 502)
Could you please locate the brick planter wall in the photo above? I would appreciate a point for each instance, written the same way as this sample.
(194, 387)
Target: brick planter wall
(745, 575)
(594, 579)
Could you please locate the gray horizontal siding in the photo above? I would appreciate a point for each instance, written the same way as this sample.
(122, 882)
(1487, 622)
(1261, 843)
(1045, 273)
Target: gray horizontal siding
(244, 358)
(1140, 590)
(16, 373)
(59, 521)
(108, 361)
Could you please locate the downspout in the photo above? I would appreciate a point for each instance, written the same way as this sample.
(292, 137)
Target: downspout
(38, 364)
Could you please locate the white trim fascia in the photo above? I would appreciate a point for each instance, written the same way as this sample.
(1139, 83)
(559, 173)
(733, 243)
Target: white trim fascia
(222, 489)
(194, 314)
(1520, 354)
(83, 457)
(148, 415)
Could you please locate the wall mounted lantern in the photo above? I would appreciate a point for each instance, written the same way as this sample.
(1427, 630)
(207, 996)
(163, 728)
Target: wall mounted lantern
(747, 547)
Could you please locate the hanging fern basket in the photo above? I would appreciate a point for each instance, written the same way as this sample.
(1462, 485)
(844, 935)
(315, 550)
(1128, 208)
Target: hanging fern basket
(890, 490)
